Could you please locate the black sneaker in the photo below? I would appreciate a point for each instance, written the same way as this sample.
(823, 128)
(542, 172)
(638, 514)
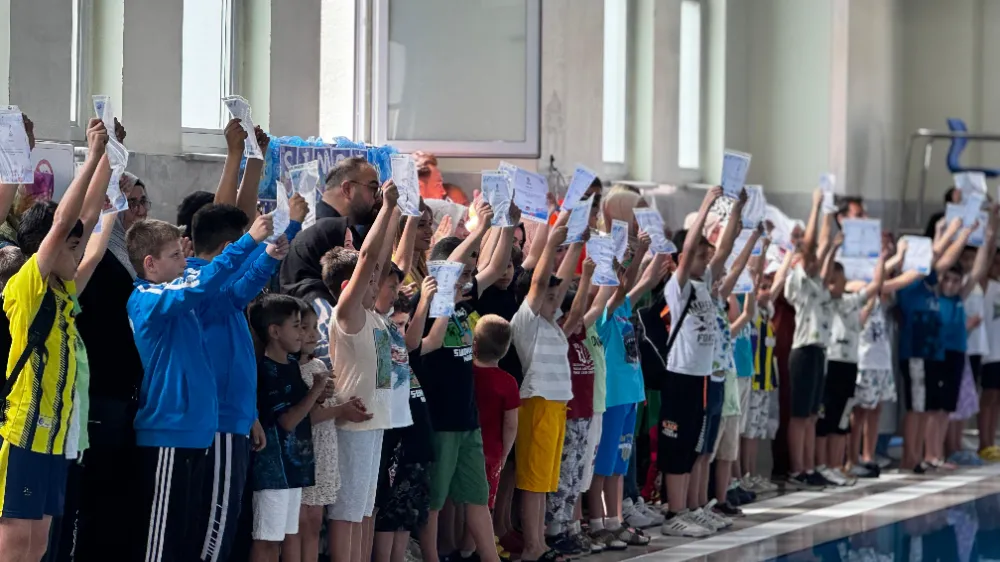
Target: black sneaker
(817, 479)
(923, 468)
(801, 481)
(563, 544)
(728, 509)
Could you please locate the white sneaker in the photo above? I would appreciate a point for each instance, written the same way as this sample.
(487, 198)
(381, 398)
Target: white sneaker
(699, 517)
(681, 526)
(633, 516)
(849, 479)
(719, 520)
(764, 484)
(648, 511)
(832, 476)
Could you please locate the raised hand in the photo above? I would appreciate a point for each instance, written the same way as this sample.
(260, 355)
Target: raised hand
(297, 208)
(187, 247)
(444, 230)
(515, 214)
(262, 138)
(29, 129)
(120, 131)
(279, 248)
(97, 137)
(429, 288)
(558, 235)
(262, 228)
(589, 266)
(390, 193)
(235, 136)
(484, 214)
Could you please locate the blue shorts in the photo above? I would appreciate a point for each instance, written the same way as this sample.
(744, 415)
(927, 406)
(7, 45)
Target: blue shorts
(32, 485)
(714, 397)
(617, 435)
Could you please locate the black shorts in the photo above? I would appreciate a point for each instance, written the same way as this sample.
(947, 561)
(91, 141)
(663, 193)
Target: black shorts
(932, 386)
(976, 364)
(991, 376)
(838, 392)
(682, 417)
(402, 496)
(806, 366)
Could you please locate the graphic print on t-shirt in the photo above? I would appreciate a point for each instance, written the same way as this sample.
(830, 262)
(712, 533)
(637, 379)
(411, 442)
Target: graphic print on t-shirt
(401, 372)
(629, 340)
(458, 337)
(383, 349)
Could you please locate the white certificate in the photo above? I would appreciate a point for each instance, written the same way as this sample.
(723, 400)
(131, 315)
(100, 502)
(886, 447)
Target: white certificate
(919, 254)
(755, 208)
(582, 178)
(735, 166)
(827, 184)
(446, 273)
(15, 154)
(404, 175)
(495, 186)
(862, 238)
(651, 223)
(239, 108)
(530, 195)
(579, 220)
(600, 248)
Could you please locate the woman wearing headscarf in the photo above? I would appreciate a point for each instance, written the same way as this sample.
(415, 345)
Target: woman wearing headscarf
(302, 273)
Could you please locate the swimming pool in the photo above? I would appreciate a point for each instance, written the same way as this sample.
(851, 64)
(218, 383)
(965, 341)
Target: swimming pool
(967, 532)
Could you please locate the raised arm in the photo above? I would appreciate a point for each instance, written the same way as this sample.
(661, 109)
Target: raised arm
(350, 314)
(827, 263)
(578, 309)
(246, 197)
(655, 272)
(472, 242)
(943, 236)
(68, 211)
(628, 279)
(950, 256)
(749, 311)
(543, 271)
(600, 303)
(415, 331)
(96, 247)
(403, 256)
(827, 245)
(724, 245)
(778, 285)
(540, 232)
(809, 241)
(739, 264)
(693, 238)
(984, 255)
(235, 139)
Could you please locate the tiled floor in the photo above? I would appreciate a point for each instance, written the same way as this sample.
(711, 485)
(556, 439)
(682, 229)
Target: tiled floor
(799, 520)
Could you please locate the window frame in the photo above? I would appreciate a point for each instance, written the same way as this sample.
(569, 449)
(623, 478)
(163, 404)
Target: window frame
(379, 110)
(200, 140)
(689, 174)
(84, 59)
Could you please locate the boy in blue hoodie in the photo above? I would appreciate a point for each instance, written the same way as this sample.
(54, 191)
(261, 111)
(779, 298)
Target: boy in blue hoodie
(178, 403)
(232, 358)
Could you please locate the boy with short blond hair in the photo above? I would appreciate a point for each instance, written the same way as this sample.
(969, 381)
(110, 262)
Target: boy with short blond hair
(178, 403)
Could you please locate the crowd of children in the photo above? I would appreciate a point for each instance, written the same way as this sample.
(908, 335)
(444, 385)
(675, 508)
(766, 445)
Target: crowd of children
(242, 393)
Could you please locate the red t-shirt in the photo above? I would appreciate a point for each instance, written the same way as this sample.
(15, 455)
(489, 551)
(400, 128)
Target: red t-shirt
(581, 368)
(496, 393)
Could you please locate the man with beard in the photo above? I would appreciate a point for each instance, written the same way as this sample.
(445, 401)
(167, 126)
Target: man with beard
(351, 187)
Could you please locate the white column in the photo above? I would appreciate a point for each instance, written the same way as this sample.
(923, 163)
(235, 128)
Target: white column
(151, 75)
(39, 71)
(296, 49)
(4, 51)
(337, 72)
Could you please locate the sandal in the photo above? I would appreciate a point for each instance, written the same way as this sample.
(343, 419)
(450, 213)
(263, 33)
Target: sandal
(631, 537)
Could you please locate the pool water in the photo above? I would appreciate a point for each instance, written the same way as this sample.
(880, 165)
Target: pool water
(968, 532)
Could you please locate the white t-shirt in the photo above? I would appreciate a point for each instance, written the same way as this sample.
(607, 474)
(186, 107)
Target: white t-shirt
(694, 346)
(845, 327)
(362, 365)
(977, 342)
(812, 308)
(874, 347)
(542, 348)
(991, 321)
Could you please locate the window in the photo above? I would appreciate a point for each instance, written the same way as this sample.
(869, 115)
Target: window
(207, 63)
(615, 64)
(457, 77)
(689, 111)
(74, 65)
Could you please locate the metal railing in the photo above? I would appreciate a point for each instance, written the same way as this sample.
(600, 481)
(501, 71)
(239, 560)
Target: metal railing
(929, 136)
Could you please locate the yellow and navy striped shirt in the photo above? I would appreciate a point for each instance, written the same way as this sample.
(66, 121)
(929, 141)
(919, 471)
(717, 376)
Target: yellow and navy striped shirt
(762, 338)
(37, 411)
